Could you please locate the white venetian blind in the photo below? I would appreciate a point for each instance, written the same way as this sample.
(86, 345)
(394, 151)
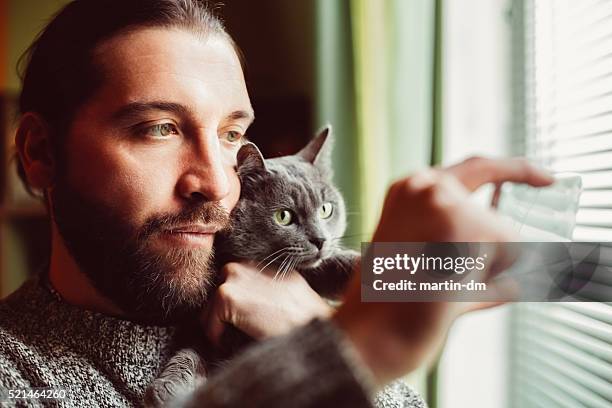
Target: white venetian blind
(562, 352)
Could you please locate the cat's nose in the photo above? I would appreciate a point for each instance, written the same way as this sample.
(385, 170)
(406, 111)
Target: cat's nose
(318, 242)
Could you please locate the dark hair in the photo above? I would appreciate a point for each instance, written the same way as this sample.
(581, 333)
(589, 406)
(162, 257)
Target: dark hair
(58, 71)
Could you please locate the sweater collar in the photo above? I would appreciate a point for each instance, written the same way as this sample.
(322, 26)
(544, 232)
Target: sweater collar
(130, 354)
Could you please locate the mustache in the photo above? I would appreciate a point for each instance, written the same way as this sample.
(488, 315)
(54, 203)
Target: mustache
(210, 213)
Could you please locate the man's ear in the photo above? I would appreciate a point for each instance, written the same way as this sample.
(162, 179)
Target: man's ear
(33, 143)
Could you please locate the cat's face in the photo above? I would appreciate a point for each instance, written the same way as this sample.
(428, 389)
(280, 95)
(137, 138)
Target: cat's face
(289, 211)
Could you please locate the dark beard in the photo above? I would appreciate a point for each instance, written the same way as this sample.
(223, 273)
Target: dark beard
(148, 284)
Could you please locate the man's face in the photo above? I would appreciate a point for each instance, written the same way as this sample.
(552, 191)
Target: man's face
(149, 176)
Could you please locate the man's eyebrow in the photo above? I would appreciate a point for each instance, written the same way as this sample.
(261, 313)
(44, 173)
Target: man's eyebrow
(242, 114)
(135, 110)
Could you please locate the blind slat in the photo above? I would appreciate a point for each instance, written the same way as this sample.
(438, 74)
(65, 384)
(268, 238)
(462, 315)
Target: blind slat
(573, 338)
(575, 359)
(591, 162)
(594, 217)
(600, 311)
(599, 180)
(562, 315)
(569, 148)
(537, 387)
(596, 198)
(581, 385)
(591, 234)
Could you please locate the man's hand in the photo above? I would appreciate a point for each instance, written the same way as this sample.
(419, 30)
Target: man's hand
(260, 306)
(395, 338)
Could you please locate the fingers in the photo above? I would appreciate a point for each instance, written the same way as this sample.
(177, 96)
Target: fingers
(476, 171)
(220, 309)
(233, 270)
(258, 305)
(212, 320)
(496, 195)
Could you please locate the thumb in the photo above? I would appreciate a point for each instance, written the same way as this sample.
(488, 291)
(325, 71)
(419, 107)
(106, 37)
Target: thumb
(212, 321)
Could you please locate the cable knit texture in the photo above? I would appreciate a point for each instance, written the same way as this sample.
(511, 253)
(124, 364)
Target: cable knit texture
(108, 362)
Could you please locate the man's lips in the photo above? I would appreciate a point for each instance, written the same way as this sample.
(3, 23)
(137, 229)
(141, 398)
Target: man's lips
(193, 235)
(195, 229)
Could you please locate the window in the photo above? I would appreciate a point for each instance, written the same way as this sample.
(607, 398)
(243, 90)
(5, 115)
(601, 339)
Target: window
(561, 353)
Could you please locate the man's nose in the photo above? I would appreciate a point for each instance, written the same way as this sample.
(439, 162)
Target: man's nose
(205, 176)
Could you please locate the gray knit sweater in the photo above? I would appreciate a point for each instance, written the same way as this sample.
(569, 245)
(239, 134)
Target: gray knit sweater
(103, 361)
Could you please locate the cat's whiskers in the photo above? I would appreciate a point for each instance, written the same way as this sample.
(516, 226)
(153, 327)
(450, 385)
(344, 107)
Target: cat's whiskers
(274, 253)
(287, 268)
(272, 261)
(281, 266)
(290, 267)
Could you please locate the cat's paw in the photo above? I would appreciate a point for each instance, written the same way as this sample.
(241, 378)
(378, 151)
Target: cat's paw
(184, 372)
(160, 393)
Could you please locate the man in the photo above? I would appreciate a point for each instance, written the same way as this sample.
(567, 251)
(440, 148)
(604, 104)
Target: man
(132, 112)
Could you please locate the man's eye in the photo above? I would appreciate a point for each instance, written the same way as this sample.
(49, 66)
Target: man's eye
(161, 130)
(233, 136)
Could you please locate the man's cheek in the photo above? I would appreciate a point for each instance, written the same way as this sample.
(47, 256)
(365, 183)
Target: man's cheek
(136, 181)
(132, 197)
(141, 197)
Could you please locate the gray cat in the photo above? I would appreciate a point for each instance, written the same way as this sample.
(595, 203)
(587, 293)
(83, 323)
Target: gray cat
(290, 216)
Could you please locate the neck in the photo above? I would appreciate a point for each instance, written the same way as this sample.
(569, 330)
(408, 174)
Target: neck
(71, 283)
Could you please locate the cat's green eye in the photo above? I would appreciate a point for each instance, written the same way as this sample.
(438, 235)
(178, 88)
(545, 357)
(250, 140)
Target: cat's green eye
(326, 210)
(283, 217)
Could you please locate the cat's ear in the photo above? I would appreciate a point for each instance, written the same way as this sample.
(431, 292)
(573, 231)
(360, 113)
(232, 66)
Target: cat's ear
(318, 150)
(249, 159)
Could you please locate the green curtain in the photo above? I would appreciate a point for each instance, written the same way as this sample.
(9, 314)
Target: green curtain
(375, 80)
(393, 46)
(378, 84)
(335, 103)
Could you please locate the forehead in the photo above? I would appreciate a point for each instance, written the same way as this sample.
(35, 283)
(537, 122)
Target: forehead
(170, 64)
